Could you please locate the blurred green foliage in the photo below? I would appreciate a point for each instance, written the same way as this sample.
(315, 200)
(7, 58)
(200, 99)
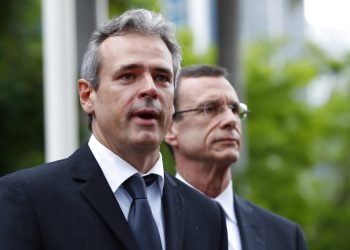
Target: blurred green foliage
(21, 109)
(297, 151)
(116, 7)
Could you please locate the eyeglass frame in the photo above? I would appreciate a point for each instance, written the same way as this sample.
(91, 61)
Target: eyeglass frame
(241, 107)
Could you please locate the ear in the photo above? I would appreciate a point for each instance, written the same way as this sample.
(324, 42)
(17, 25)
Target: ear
(171, 135)
(86, 92)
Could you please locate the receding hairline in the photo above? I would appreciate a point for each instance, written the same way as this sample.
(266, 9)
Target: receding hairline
(169, 69)
(202, 70)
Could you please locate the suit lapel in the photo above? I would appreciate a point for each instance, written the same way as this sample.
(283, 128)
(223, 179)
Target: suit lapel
(250, 227)
(173, 214)
(99, 195)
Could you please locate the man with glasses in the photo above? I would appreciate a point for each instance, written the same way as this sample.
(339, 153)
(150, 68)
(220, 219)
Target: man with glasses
(205, 139)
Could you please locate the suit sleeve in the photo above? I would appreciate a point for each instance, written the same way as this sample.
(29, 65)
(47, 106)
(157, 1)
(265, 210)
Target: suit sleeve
(18, 224)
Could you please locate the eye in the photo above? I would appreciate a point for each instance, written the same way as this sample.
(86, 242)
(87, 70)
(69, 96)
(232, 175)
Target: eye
(235, 108)
(127, 76)
(211, 109)
(162, 78)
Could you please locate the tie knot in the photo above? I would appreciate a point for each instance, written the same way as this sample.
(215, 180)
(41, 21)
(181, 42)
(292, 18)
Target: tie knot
(136, 185)
(150, 179)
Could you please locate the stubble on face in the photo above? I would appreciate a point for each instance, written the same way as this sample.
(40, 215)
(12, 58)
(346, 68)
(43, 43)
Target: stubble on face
(129, 117)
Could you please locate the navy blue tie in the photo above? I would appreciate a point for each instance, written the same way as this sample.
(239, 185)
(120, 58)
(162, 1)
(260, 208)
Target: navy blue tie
(140, 217)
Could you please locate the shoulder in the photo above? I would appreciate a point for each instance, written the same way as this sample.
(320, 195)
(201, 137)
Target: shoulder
(55, 173)
(35, 180)
(191, 195)
(196, 204)
(203, 219)
(277, 228)
(244, 206)
(35, 172)
(49, 173)
(280, 232)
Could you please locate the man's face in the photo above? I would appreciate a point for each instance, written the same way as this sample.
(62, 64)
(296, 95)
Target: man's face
(132, 106)
(201, 137)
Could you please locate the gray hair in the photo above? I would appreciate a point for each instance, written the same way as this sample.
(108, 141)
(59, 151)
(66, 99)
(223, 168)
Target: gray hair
(138, 21)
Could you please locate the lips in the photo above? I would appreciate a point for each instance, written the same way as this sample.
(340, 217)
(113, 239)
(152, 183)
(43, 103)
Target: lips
(147, 114)
(228, 140)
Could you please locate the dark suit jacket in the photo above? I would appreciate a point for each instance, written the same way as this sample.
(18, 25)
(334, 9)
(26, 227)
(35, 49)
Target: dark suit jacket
(68, 204)
(263, 230)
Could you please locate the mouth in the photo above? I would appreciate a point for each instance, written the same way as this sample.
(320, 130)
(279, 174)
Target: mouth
(147, 114)
(228, 140)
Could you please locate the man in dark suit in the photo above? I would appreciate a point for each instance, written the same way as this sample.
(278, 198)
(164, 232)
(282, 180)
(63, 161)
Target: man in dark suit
(87, 201)
(205, 139)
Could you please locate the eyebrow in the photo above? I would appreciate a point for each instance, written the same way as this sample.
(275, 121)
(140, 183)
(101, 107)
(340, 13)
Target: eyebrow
(129, 67)
(136, 66)
(165, 71)
(117, 71)
(208, 103)
(214, 101)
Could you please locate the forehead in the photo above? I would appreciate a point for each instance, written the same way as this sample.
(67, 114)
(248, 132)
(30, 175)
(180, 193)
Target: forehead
(195, 90)
(135, 49)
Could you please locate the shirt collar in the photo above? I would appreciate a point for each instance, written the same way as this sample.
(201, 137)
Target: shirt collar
(225, 199)
(116, 170)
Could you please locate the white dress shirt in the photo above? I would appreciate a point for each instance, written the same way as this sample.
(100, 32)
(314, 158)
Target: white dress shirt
(225, 199)
(116, 171)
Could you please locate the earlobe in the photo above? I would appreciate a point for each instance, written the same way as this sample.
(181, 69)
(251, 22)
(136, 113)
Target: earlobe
(85, 95)
(171, 136)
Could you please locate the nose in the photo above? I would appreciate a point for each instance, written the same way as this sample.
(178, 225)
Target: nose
(229, 119)
(148, 88)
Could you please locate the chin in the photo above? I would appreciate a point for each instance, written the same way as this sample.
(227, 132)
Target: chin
(148, 141)
(230, 157)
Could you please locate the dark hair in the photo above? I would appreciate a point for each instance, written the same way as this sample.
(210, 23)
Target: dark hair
(200, 70)
(137, 21)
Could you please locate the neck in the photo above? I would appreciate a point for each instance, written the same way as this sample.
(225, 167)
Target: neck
(142, 164)
(209, 178)
(141, 158)
(141, 161)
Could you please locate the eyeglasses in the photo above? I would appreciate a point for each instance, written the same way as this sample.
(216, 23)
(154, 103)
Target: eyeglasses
(239, 109)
